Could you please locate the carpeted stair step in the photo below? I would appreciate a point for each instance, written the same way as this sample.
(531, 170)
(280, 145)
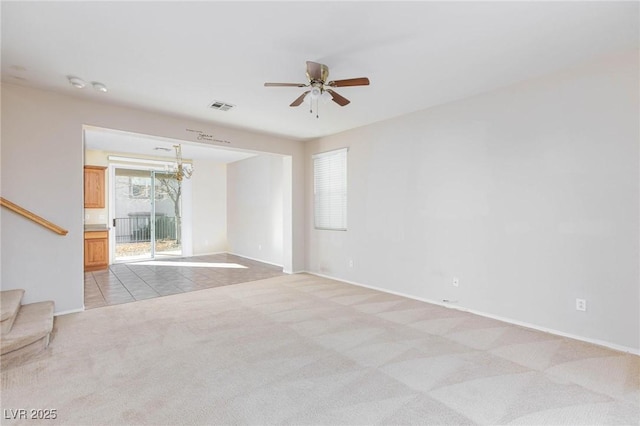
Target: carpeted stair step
(9, 305)
(29, 334)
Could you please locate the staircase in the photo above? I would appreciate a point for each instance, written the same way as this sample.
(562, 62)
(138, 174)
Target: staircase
(25, 328)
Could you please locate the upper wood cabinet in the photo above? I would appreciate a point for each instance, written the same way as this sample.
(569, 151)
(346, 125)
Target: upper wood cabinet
(94, 187)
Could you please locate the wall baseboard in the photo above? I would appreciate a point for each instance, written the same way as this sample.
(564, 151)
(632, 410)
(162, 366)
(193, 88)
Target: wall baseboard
(207, 254)
(614, 346)
(257, 260)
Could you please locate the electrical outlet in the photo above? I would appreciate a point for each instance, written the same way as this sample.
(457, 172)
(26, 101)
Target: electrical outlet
(581, 305)
(350, 263)
(456, 282)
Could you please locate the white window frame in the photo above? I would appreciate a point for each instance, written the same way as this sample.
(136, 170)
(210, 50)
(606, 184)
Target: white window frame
(330, 190)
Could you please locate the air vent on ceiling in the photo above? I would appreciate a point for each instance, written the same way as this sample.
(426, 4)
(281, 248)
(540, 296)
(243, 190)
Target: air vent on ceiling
(222, 106)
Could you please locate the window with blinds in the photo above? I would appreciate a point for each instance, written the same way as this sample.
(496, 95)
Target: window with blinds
(330, 190)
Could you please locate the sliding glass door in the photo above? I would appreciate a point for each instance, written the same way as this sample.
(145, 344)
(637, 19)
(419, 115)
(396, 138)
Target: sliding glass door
(168, 214)
(147, 221)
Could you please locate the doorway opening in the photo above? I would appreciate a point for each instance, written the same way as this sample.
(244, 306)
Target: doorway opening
(237, 201)
(147, 214)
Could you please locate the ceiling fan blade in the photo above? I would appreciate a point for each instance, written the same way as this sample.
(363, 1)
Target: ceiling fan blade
(299, 100)
(340, 100)
(314, 71)
(361, 81)
(285, 85)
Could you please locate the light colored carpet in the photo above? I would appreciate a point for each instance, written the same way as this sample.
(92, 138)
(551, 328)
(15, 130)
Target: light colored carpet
(306, 350)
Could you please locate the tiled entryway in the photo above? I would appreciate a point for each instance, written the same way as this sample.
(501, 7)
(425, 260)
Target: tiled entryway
(128, 282)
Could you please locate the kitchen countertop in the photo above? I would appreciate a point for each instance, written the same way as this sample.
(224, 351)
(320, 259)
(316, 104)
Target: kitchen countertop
(96, 227)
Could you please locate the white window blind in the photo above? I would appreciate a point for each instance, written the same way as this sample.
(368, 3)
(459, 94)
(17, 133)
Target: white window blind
(330, 190)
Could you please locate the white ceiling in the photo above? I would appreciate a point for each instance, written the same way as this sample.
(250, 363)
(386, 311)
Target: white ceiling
(177, 57)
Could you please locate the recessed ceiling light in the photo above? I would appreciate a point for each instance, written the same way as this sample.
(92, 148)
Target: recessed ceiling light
(99, 87)
(77, 82)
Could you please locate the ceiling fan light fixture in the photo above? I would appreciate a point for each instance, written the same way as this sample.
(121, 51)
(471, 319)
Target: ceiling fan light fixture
(315, 92)
(326, 96)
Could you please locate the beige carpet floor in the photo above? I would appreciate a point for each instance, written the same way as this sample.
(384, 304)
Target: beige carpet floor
(306, 350)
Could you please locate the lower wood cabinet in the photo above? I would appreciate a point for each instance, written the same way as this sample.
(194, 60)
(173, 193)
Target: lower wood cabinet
(96, 250)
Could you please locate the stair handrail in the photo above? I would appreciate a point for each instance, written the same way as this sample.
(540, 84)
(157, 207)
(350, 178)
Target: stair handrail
(32, 216)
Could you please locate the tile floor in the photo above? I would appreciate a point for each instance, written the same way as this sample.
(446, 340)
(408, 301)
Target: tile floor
(128, 282)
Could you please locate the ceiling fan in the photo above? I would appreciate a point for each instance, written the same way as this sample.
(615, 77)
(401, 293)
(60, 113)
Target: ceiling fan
(319, 87)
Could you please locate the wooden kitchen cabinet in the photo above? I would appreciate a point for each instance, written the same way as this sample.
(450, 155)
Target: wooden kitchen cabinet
(96, 250)
(94, 187)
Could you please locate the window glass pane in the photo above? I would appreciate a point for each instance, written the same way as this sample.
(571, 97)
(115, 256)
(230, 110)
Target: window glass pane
(330, 190)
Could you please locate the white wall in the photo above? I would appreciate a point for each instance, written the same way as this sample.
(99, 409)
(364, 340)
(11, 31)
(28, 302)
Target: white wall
(42, 158)
(529, 195)
(255, 208)
(209, 206)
